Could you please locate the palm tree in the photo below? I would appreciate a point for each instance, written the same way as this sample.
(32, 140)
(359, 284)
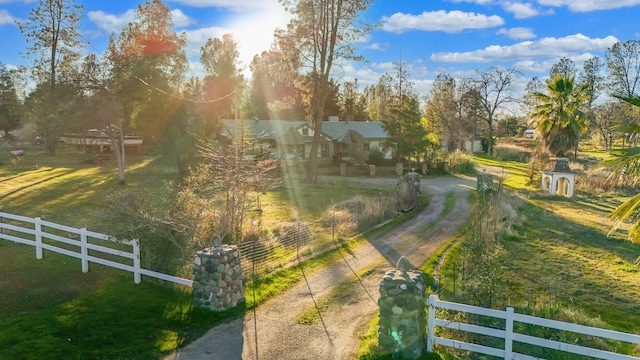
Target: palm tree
(558, 117)
(627, 168)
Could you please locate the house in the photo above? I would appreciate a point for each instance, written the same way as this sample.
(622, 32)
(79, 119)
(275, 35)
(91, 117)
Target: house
(98, 140)
(291, 140)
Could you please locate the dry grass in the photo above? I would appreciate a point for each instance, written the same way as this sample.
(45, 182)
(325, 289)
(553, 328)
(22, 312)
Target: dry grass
(512, 152)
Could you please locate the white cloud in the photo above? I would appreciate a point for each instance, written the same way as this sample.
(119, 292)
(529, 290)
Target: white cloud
(422, 86)
(6, 18)
(197, 38)
(543, 66)
(543, 48)
(384, 66)
(234, 5)
(378, 46)
(590, 5)
(366, 76)
(517, 33)
(446, 21)
(530, 66)
(181, 20)
(573, 5)
(480, 2)
(521, 10)
(109, 22)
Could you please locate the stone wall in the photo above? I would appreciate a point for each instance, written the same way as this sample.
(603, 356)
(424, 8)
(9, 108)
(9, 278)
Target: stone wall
(217, 278)
(403, 322)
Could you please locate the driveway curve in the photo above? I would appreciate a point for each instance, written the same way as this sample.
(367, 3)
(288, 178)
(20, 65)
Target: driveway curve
(272, 331)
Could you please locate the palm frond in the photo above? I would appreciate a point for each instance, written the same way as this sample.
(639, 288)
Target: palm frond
(628, 211)
(625, 165)
(631, 99)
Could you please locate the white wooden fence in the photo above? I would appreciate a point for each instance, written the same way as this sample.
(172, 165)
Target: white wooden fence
(510, 336)
(81, 244)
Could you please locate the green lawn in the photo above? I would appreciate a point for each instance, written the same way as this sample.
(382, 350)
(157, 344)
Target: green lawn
(50, 309)
(560, 255)
(562, 261)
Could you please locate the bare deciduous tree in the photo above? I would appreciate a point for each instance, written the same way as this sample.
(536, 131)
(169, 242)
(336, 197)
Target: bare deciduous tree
(492, 88)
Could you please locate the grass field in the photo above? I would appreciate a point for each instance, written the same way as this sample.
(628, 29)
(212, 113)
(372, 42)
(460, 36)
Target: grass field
(51, 310)
(562, 261)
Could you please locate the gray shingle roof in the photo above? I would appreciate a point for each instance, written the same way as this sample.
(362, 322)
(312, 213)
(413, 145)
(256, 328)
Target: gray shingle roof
(260, 129)
(370, 130)
(273, 129)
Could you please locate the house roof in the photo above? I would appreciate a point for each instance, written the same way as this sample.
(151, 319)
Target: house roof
(291, 137)
(260, 129)
(352, 137)
(274, 129)
(369, 130)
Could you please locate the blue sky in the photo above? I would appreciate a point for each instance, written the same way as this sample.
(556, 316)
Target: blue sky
(431, 36)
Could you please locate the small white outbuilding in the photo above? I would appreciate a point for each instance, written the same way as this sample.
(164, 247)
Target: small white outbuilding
(561, 180)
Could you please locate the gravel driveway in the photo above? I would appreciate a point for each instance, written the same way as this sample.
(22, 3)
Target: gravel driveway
(273, 332)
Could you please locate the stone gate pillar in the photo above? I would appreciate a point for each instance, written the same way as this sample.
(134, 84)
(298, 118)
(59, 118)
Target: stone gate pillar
(217, 278)
(485, 182)
(403, 323)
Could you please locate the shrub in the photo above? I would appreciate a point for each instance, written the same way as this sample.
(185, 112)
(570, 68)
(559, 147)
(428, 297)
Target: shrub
(292, 233)
(483, 250)
(461, 162)
(376, 156)
(485, 143)
(357, 214)
(540, 159)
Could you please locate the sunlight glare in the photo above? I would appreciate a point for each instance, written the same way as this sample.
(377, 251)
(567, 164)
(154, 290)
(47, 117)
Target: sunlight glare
(253, 30)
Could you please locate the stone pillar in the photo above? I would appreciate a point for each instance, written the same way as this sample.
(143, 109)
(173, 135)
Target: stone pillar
(372, 170)
(399, 169)
(343, 169)
(403, 323)
(217, 278)
(485, 182)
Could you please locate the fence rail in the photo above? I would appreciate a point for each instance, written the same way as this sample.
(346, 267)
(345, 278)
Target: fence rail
(79, 243)
(509, 335)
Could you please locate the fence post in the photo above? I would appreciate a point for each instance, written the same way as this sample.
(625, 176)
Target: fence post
(38, 230)
(135, 247)
(431, 319)
(508, 336)
(84, 253)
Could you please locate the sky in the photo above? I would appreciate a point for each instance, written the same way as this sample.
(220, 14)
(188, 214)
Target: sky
(456, 37)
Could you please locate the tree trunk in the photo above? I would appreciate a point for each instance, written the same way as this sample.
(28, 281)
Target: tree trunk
(121, 161)
(316, 115)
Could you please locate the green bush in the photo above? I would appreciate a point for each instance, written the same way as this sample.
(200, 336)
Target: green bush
(485, 143)
(376, 156)
(461, 162)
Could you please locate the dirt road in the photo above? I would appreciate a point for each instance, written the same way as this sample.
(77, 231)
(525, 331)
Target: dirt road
(274, 334)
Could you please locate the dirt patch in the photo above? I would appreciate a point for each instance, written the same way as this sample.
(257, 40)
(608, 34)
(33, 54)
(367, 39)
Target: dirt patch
(271, 332)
